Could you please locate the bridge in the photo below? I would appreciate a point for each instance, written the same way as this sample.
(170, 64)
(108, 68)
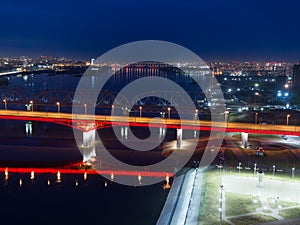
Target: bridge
(88, 124)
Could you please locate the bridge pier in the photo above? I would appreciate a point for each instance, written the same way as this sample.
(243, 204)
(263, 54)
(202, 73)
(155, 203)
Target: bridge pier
(28, 128)
(196, 135)
(124, 133)
(88, 150)
(244, 136)
(179, 137)
(162, 132)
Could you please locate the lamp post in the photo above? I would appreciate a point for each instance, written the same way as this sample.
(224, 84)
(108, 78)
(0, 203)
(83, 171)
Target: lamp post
(226, 115)
(58, 107)
(221, 202)
(196, 114)
(256, 114)
(85, 109)
(254, 170)
(169, 112)
(140, 110)
(5, 104)
(31, 104)
(240, 167)
(255, 94)
(287, 119)
(112, 110)
(274, 170)
(293, 172)
(162, 115)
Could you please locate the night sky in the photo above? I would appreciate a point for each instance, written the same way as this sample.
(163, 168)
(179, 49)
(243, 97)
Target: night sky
(217, 30)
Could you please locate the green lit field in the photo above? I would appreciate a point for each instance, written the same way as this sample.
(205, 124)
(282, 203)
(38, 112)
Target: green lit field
(242, 206)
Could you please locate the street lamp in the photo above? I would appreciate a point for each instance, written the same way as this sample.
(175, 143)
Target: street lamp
(85, 109)
(287, 119)
(140, 110)
(293, 172)
(221, 201)
(196, 114)
(256, 114)
(5, 104)
(162, 114)
(112, 110)
(31, 104)
(274, 170)
(58, 107)
(240, 167)
(226, 115)
(255, 94)
(169, 111)
(254, 170)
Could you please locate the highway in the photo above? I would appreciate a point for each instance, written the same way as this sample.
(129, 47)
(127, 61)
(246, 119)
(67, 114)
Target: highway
(98, 121)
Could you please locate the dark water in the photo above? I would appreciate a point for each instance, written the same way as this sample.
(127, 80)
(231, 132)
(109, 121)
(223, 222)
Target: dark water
(88, 203)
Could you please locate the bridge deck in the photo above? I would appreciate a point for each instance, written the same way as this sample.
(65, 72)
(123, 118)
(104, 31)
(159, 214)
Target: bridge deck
(70, 119)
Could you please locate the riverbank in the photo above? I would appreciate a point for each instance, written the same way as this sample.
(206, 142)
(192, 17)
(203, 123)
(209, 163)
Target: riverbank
(183, 202)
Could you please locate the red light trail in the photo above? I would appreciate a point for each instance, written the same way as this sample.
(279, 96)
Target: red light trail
(92, 122)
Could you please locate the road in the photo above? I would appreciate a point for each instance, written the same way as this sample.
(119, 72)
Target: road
(69, 118)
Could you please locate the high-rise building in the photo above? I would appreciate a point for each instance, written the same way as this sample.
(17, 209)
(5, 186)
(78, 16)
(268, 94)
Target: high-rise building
(296, 75)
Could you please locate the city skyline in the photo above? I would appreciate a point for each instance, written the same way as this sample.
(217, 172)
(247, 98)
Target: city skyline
(215, 30)
(88, 60)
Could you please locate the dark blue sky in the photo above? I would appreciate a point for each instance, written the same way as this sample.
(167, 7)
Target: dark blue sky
(214, 29)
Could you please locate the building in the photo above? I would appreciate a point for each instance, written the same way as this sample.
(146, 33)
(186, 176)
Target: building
(296, 75)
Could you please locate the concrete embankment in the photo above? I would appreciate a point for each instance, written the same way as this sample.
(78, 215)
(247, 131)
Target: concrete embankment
(171, 202)
(183, 202)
